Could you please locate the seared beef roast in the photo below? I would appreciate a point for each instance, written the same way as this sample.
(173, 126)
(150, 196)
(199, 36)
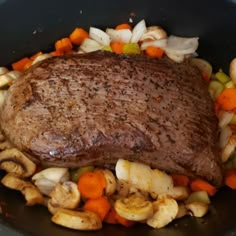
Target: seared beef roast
(94, 108)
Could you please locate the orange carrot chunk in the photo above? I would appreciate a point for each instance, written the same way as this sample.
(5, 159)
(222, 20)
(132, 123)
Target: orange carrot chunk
(91, 185)
(155, 52)
(202, 185)
(20, 65)
(227, 99)
(117, 47)
(111, 217)
(180, 180)
(124, 222)
(78, 36)
(100, 206)
(28, 65)
(230, 178)
(63, 45)
(123, 26)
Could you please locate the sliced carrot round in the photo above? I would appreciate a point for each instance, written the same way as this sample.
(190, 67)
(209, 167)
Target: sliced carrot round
(91, 185)
(100, 206)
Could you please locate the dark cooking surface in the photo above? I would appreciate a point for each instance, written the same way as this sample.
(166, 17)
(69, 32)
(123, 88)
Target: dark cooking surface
(28, 26)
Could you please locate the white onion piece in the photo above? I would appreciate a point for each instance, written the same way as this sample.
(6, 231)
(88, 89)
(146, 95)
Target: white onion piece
(5, 79)
(41, 58)
(180, 45)
(138, 31)
(90, 45)
(175, 57)
(225, 133)
(202, 65)
(122, 35)
(229, 148)
(55, 174)
(3, 70)
(224, 118)
(45, 186)
(160, 43)
(100, 36)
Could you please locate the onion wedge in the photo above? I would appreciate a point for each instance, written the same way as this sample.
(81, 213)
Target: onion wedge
(99, 36)
(123, 35)
(138, 31)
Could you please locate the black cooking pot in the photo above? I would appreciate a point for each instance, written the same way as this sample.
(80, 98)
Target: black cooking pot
(30, 26)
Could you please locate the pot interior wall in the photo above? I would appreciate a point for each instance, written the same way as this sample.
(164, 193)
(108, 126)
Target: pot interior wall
(30, 26)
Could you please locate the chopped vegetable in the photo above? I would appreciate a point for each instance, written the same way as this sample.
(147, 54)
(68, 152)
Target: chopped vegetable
(225, 118)
(165, 211)
(3, 70)
(134, 208)
(180, 45)
(215, 88)
(75, 174)
(65, 195)
(92, 185)
(123, 26)
(204, 66)
(99, 36)
(227, 99)
(90, 45)
(107, 48)
(152, 51)
(127, 223)
(78, 36)
(111, 217)
(131, 48)
(197, 209)
(231, 162)
(180, 180)
(63, 45)
(160, 43)
(229, 148)
(202, 185)
(117, 47)
(153, 33)
(229, 84)
(222, 77)
(119, 36)
(80, 220)
(100, 206)
(20, 65)
(138, 31)
(225, 134)
(110, 181)
(198, 196)
(230, 178)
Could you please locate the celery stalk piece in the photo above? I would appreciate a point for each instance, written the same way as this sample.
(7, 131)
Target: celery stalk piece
(230, 84)
(131, 48)
(215, 88)
(222, 77)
